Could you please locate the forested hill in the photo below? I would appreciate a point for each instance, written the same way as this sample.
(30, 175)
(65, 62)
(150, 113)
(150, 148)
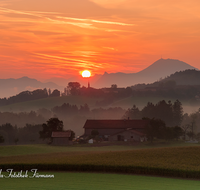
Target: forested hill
(187, 77)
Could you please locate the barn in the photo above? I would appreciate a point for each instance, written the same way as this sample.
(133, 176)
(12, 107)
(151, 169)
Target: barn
(117, 129)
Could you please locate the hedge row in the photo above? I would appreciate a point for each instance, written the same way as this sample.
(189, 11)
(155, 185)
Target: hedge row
(105, 168)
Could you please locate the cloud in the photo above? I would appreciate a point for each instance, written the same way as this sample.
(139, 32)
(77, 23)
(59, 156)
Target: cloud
(69, 61)
(60, 35)
(97, 21)
(110, 48)
(110, 3)
(82, 25)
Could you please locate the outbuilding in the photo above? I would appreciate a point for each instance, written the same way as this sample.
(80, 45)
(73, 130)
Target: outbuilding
(61, 137)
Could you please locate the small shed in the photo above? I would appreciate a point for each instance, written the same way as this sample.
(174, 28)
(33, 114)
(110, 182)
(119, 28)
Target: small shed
(61, 137)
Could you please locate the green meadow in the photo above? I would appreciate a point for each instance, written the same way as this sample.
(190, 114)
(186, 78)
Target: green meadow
(98, 181)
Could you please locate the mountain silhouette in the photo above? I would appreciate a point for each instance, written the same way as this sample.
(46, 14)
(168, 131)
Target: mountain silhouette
(10, 87)
(159, 69)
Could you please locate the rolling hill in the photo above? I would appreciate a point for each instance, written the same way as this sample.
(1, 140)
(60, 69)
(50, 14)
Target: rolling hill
(187, 77)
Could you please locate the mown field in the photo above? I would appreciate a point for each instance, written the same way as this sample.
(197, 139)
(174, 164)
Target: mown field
(181, 161)
(98, 181)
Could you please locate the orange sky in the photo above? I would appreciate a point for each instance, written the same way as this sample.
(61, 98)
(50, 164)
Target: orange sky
(59, 38)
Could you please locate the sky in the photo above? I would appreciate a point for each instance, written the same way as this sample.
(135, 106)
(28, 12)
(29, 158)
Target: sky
(43, 39)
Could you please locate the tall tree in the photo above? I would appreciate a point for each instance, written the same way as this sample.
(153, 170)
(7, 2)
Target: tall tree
(149, 110)
(164, 112)
(1, 139)
(177, 113)
(55, 93)
(154, 129)
(133, 113)
(53, 124)
(74, 88)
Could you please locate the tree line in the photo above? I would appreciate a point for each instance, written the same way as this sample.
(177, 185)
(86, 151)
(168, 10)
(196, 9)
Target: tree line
(170, 113)
(22, 118)
(157, 129)
(72, 89)
(29, 96)
(30, 134)
(164, 88)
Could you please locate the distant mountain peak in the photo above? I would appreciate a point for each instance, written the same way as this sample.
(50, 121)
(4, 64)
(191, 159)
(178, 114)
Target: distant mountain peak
(10, 87)
(159, 69)
(166, 67)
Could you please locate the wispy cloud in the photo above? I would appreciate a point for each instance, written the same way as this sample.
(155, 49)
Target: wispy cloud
(111, 48)
(68, 61)
(82, 25)
(62, 36)
(96, 21)
(32, 13)
(85, 23)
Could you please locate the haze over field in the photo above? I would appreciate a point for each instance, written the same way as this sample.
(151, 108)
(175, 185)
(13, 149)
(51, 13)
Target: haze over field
(43, 39)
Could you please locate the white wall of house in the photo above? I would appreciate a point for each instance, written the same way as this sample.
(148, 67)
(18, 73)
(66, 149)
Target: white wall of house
(126, 136)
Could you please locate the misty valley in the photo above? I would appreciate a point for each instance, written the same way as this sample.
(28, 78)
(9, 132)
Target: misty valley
(93, 90)
(177, 105)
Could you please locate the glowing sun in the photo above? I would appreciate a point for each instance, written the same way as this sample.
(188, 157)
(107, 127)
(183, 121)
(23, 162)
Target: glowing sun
(86, 73)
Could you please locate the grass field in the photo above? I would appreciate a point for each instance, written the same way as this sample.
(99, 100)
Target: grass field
(182, 161)
(18, 150)
(91, 181)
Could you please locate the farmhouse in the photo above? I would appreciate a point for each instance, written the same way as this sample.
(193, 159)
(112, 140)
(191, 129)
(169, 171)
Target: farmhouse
(117, 130)
(61, 137)
(128, 135)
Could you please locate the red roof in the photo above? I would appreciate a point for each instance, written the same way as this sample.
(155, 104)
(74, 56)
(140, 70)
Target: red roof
(61, 134)
(115, 124)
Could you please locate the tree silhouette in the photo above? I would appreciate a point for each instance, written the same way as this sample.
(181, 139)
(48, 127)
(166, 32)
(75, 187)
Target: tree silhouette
(155, 129)
(1, 139)
(53, 124)
(74, 88)
(133, 113)
(55, 93)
